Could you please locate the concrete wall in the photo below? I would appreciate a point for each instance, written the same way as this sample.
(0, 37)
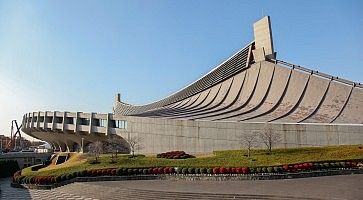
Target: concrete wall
(26, 159)
(160, 135)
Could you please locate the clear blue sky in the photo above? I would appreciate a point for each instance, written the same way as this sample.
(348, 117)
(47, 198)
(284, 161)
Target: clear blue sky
(76, 55)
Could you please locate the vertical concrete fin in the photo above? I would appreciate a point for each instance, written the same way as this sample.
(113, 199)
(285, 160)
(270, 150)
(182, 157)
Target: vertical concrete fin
(263, 40)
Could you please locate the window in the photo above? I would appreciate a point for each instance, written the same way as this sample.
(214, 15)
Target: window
(69, 120)
(83, 121)
(48, 119)
(103, 123)
(41, 119)
(121, 124)
(118, 124)
(58, 120)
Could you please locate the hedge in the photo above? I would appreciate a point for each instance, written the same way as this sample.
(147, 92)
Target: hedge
(47, 180)
(174, 155)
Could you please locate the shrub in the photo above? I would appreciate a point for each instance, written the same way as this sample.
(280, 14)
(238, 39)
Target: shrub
(197, 170)
(130, 171)
(174, 155)
(264, 169)
(69, 176)
(209, 171)
(166, 170)
(191, 170)
(222, 170)
(277, 169)
(270, 169)
(58, 179)
(258, 170)
(172, 170)
(179, 170)
(104, 172)
(184, 170)
(216, 170)
(114, 172)
(245, 170)
(155, 170)
(326, 165)
(160, 170)
(32, 180)
(286, 168)
(233, 170)
(253, 170)
(203, 170)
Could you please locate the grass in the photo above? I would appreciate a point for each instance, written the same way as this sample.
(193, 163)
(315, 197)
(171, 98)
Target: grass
(231, 158)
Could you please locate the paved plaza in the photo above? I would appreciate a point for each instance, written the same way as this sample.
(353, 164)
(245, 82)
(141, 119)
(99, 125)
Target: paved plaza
(332, 187)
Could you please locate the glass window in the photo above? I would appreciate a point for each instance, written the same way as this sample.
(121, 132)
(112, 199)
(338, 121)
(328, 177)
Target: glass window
(119, 124)
(103, 122)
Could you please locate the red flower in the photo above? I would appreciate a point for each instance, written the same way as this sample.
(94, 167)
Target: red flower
(222, 170)
(245, 170)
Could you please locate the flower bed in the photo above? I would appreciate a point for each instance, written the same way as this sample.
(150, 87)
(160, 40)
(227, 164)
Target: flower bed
(281, 169)
(174, 155)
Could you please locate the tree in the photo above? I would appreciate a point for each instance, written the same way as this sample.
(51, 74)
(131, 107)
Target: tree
(269, 137)
(96, 148)
(135, 143)
(249, 141)
(115, 144)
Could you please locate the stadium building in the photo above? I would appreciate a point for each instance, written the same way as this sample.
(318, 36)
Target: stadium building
(246, 93)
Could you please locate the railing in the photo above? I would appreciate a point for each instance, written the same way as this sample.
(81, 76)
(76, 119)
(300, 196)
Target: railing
(327, 76)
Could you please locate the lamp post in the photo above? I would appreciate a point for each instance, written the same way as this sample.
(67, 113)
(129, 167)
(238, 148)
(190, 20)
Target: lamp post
(82, 145)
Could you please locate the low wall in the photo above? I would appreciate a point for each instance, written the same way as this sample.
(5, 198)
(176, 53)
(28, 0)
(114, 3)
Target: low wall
(160, 135)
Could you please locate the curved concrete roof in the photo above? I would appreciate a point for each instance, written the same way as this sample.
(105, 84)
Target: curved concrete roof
(267, 91)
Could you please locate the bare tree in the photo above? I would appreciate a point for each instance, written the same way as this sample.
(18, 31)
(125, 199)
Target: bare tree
(249, 140)
(96, 148)
(115, 144)
(269, 137)
(135, 143)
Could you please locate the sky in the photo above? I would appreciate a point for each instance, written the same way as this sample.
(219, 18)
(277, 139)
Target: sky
(77, 55)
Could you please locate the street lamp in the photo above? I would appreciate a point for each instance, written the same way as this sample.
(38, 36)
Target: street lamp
(82, 145)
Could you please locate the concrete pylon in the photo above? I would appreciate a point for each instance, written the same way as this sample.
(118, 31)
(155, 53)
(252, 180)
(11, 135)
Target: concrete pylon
(263, 40)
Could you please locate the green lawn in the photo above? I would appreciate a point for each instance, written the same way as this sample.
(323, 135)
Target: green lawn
(232, 158)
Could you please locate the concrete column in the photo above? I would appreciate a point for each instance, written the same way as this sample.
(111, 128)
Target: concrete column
(64, 120)
(45, 119)
(32, 121)
(90, 122)
(38, 119)
(76, 122)
(26, 125)
(53, 121)
(108, 124)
